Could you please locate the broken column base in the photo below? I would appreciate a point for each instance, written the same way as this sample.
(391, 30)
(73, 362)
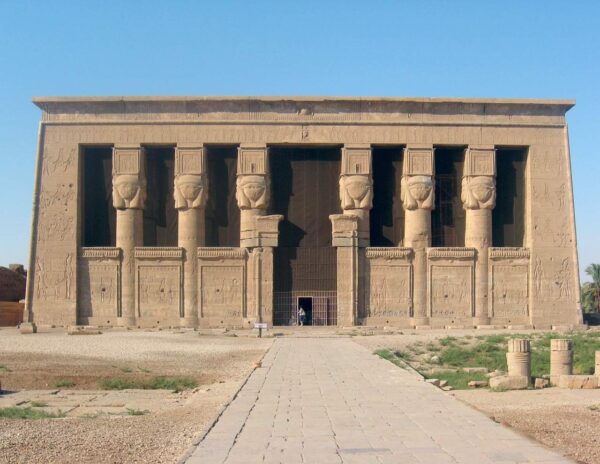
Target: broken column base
(578, 382)
(28, 328)
(509, 382)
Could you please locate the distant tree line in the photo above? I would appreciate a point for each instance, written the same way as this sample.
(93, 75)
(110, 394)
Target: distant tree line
(590, 291)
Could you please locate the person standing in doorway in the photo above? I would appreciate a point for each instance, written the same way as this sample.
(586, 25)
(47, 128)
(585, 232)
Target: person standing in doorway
(301, 315)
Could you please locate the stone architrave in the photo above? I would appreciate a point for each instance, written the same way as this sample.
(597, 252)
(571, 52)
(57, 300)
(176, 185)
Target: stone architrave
(190, 193)
(478, 194)
(417, 194)
(129, 196)
(253, 190)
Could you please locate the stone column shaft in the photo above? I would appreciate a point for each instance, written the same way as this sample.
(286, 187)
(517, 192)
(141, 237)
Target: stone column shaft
(418, 197)
(518, 358)
(417, 235)
(561, 359)
(478, 233)
(129, 234)
(190, 193)
(478, 195)
(129, 196)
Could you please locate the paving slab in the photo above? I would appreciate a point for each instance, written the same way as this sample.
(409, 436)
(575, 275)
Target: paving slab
(331, 400)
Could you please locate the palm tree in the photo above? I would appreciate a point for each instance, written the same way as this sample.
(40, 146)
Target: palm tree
(591, 290)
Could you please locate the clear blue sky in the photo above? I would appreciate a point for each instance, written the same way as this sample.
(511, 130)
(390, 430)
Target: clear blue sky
(534, 49)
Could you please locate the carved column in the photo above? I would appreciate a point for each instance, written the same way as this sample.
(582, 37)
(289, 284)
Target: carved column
(253, 190)
(417, 194)
(356, 187)
(478, 195)
(129, 195)
(190, 192)
(351, 229)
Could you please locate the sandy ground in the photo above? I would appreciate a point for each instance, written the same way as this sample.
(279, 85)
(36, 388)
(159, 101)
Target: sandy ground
(560, 419)
(219, 363)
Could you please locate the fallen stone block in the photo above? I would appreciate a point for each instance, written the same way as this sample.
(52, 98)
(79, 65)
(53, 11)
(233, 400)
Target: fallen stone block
(435, 382)
(509, 382)
(578, 382)
(83, 330)
(541, 383)
(472, 370)
(443, 383)
(477, 384)
(495, 373)
(447, 388)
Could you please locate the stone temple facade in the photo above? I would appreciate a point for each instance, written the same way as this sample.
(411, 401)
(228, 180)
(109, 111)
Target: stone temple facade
(226, 211)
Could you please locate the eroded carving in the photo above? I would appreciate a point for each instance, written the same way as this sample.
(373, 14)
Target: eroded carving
(356, 192)
(190, 191)
(159, 291)
(509, 291)
(451, 291)
(417, 192)
(252, 192)
(129, 191)
(54, 278)
(222, 290)
(389, 291)
(478, 192)
(58, 160)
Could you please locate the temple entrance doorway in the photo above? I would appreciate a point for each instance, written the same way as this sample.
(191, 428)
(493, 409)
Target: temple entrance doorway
(305, 191)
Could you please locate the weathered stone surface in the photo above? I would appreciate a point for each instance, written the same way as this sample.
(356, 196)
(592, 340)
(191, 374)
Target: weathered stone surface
(477, 384)
(509, 382)
(481, 370)
(410, 285)
(541, 383)
(578, 382)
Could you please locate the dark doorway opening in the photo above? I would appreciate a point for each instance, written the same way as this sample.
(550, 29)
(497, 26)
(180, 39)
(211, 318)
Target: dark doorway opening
(306, 304)
(387, 215)
(508, 217)
(448, 217)
(99, 215)
(222, 211)
(305, 191)
(160, 215)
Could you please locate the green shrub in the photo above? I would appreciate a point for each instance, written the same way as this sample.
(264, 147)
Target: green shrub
(28, 413)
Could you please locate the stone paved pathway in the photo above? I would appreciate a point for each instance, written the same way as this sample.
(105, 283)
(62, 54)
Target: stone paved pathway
(332, 401)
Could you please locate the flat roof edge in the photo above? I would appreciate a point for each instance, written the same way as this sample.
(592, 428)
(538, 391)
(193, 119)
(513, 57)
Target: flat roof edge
(568, 103)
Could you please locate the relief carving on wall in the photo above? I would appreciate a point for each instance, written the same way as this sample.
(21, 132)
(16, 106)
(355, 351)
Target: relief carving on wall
(478, 192)
(58, 160)
(98, 288)
(389, 291)
(552, 280)
(159, 291)
(417, 192)
(222, 290)
(54, 277)
(356, 192)
(451, 291)
(252, 192)
(509, 290)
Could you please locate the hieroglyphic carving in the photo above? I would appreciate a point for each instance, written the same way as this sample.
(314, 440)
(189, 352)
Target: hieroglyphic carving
(98, 288)
(222, 290)
(159, 291)
(551, 229)
(159, 252)
(451, 291)
(389, 252)
(451, 252)
(221, 252)
(509, 252)
(555, 196)
(552, 280)
(58, 160)
(509, 290)
(356, 192)
(389, 291)
(417, 192)
(548, 164)
(54, 277)
(55, 227)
